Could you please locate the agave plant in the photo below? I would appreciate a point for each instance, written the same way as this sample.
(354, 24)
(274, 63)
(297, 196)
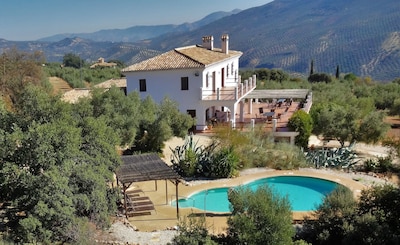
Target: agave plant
(184, 157)
(343, 157)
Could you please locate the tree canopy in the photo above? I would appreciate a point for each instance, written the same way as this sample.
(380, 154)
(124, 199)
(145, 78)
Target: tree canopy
(348, 124)
(259, 217)
(342, 220)
(73, 60)
(54, 169)
(18, 69)
(301, 122)
(58, 159)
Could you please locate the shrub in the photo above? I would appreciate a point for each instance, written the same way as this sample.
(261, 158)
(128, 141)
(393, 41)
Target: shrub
(193, 231)
(380, 165)
(223, 163)
(185, 158)
(319, 77)
(260, 217)
(255, 148)
(302, 123)
(350, 77)
(190, 160)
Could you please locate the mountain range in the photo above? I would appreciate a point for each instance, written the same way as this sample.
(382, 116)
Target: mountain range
(359, 36)
(137, 33)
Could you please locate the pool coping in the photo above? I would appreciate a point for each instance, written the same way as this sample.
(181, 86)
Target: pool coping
(166, 217)
(193, 197)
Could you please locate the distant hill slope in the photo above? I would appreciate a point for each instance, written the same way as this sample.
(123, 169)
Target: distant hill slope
(361, 36)
(89, 50)
(136, 33)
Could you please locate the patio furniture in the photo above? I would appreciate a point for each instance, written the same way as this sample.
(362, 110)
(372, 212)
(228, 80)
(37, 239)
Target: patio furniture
(137, 206)
(269, 114)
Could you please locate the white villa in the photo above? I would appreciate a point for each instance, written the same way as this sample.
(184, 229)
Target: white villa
(202, 79)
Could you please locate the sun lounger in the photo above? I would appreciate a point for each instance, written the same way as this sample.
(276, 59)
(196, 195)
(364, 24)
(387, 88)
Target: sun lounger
(139, 204)
(135, 199)
(134, 191)
(140, 210)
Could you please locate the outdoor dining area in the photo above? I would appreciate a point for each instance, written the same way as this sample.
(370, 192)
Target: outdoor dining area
(274, 109)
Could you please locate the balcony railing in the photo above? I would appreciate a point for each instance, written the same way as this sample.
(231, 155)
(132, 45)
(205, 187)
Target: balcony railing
(230, 93)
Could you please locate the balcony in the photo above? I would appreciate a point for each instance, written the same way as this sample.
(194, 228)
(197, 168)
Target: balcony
(232, 93)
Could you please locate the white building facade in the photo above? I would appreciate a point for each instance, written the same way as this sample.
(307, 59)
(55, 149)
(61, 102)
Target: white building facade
(203, 80)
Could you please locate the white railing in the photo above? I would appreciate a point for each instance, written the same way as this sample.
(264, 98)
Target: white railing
(229, 93)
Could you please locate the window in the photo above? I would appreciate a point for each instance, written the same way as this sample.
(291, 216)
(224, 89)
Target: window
(142, 85)
(192, 113)
(207, 79)
(232, 68)
(184, 83)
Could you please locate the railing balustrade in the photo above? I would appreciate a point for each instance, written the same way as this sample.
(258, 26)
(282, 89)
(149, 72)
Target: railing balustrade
(229, 93)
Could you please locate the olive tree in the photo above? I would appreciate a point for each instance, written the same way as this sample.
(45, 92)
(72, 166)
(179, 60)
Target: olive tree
(342, 220)
(348, 124)
(54, 169)
(259, 217)
(73, 60)
(332, 218)
(301, 122)
(159, 123)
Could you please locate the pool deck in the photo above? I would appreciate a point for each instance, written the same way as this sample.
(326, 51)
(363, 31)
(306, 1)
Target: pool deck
(163, 192)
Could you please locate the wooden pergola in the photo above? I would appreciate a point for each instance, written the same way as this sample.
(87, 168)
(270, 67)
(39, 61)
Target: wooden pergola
(146, 167)
(278, 93)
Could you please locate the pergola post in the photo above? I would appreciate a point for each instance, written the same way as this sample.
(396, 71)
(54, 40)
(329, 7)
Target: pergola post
(124, 192)
(177, 203)
(145, 167)
(166, 192)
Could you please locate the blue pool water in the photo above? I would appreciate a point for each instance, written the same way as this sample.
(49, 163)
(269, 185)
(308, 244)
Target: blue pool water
(304, 193)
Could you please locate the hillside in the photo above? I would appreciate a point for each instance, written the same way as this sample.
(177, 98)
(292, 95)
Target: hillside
(361, 36)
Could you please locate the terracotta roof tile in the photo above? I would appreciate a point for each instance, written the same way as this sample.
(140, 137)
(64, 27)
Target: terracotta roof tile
(121, 83)
(74, 95)
(181, 58)
(206, 56)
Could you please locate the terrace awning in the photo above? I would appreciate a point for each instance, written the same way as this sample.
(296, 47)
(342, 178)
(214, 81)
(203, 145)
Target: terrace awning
(278, 94)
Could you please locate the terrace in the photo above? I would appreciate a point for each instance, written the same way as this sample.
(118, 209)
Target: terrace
(272, 109)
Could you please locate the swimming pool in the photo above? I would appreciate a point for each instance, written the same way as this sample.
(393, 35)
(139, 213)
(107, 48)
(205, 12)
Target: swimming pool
(304, 193)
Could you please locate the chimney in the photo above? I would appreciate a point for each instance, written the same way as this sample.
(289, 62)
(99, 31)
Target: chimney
(208, 42)
(225, 43)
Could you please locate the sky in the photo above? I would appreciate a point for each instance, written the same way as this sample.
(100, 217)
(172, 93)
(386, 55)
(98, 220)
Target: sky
(28, 20)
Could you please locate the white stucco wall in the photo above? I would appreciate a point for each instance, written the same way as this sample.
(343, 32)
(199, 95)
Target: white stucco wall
(162, 83)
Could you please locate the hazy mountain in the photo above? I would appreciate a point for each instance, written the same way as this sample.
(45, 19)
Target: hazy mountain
(361, 36)
(136, 33)
(109, 44)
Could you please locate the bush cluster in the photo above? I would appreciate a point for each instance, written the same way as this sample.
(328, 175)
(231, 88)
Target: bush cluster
(340, 219)
(79, 77)
(255, 148)
(191, 160)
